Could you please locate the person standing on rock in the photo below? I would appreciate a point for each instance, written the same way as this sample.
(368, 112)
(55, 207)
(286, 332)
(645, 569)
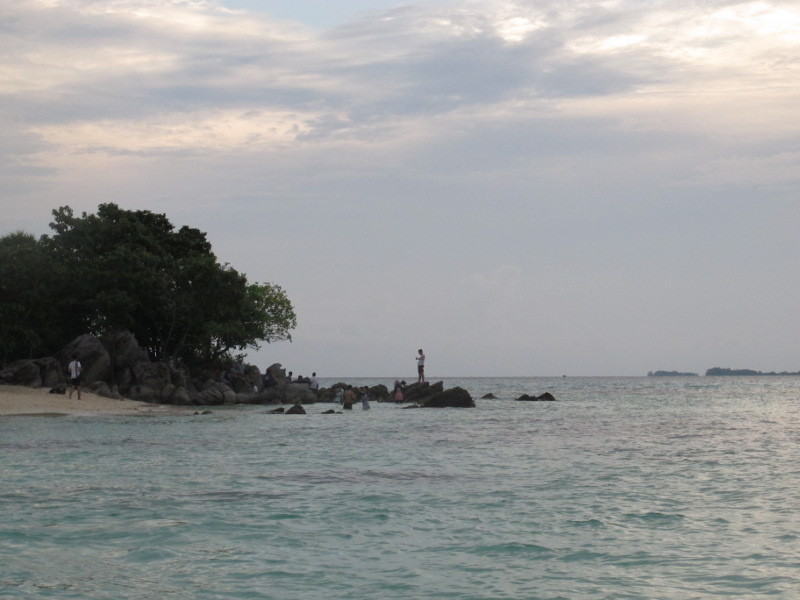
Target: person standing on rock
(74, 369)
(420, 366)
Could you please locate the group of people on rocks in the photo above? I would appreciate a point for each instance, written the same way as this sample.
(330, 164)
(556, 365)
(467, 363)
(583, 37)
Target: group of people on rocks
(268, 379)
(347, 395)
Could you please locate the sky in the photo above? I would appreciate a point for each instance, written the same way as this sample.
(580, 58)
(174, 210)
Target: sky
(519, 188)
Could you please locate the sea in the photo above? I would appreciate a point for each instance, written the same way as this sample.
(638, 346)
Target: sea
(656, 488)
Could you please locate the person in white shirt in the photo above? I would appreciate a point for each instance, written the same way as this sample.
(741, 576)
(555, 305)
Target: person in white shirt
(313, 383)
(74, 369)
(420, 366)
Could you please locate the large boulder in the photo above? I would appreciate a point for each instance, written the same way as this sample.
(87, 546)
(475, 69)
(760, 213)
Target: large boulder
(299, 393)
(175, 394)
(93, 356)
(416, 392)
(253, 377)
(215, 393)
(51, 371)
(278, 372)
(124, 350)
(379, 393)
(151, 374)
(22, 372)
(454, 397)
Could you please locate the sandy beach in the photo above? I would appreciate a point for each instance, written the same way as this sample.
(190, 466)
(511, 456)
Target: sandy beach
(17, 400)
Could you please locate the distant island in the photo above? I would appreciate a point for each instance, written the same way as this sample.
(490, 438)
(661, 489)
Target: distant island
(721, 371)
(670, 374)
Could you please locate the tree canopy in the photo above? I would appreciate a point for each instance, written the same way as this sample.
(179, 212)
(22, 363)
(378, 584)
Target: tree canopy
(132, 270)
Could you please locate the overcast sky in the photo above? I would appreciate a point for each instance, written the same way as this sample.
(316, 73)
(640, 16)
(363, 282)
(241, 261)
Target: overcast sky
(519, 188)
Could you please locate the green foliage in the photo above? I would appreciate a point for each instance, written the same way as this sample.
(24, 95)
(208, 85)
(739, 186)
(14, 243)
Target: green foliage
(27, 316)
(132, 270)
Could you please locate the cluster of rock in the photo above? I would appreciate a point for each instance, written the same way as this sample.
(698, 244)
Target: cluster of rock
(416, 395)
(546, 397)
(115, 366)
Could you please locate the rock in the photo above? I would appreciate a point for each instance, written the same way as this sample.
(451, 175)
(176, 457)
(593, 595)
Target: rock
(124, 351)
(240, 385)
(101, 388)
(50, 370)
(379, 393)
(175, 394)
(22, 372)
(328, 394)
(546, 397)
(149, 382)
(61, 388)
(278, 372)
(93, 356)
(215, 393)
(297, 409)
(453, 398)
(270, 395)
(488, 397)
(418, 391)
(277, 411)
(298, 393)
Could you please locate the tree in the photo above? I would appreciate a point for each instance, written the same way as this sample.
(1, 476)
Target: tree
(131, 270)
(28, 321)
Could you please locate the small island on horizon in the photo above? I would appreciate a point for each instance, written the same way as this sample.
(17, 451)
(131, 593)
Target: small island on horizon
(715, 371)
(719, 371)
(670, 374)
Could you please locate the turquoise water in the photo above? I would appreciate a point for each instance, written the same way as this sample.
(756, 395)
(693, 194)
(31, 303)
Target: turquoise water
(646, 488)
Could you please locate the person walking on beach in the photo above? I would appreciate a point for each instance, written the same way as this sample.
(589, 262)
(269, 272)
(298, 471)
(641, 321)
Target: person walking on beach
(420, 366)
(74, 369)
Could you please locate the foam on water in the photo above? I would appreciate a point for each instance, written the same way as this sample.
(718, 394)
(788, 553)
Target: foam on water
(624, 488)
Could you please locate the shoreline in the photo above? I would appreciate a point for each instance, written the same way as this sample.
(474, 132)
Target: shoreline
(20, 401)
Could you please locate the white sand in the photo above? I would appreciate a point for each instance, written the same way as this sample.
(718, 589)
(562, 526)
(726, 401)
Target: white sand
(17, 400)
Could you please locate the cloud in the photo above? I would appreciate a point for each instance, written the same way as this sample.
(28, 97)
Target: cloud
(508, 183)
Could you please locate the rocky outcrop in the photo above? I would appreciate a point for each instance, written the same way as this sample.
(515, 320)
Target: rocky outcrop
(40, 372)
(546, 397)
(452, 398)
(417, 392)
(22, 372)
(115, 366)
